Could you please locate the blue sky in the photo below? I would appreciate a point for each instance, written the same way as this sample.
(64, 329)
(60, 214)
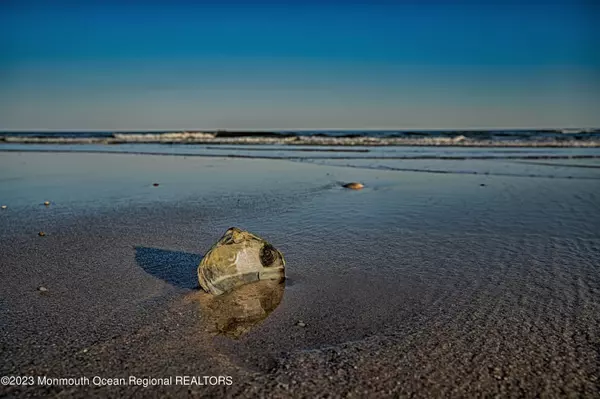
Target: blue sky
(265, 65)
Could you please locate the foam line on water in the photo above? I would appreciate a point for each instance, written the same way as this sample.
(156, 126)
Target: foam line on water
(540, 141)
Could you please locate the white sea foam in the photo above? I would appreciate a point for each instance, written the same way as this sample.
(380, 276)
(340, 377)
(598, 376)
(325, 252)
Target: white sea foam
(163, 137)
(214, 138)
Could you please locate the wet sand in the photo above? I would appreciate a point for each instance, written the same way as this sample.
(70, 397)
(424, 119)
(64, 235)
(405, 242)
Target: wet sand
(421, 284)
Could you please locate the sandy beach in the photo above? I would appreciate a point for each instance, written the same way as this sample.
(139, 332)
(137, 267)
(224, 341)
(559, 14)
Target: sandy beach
(441, 278)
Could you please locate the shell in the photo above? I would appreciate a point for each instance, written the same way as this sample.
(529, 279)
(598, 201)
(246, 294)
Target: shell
(238, 258)
(354, 186)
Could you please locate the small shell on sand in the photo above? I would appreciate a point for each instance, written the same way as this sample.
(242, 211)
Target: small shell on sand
(301, 324)
(354, 186)
(3, 206)
(42, 289)
(47, 203)
(41, 234)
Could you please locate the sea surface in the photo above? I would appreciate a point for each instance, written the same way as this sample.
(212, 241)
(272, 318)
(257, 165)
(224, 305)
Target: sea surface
(505, 138)
(544, 154)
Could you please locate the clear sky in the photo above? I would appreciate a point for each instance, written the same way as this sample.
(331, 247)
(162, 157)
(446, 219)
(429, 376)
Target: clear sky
(124, 65)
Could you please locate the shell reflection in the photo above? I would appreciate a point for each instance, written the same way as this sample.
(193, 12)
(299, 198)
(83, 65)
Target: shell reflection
(236, 312)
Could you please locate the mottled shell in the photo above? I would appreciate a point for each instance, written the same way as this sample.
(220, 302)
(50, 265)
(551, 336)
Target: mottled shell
(238, 258)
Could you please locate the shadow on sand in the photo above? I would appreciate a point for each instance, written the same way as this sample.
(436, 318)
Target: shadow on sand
(176, 268)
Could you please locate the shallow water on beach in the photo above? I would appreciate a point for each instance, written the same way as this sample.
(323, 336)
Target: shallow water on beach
(440, 265)
(277, 151)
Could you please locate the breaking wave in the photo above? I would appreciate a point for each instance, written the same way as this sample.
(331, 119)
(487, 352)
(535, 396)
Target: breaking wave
(539, 138)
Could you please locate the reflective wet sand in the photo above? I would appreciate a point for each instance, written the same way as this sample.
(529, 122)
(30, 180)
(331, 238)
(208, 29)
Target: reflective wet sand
(423, 284)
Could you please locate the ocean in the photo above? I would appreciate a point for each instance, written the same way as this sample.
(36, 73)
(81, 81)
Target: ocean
(467, 138)
(528, 153)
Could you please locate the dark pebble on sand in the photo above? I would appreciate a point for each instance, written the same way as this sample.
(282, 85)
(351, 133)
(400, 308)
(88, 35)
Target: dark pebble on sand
(155, 184)
(482, 185)
(41, 234)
